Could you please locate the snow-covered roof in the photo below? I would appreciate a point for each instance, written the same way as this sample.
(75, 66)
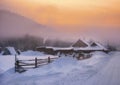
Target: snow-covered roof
(11, 50)
(58, 48)
(88, 47)
(80, 43)
(77, 48)
(101, 46)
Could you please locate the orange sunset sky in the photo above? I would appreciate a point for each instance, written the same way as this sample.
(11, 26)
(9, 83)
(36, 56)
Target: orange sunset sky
(68, 12)
(69, 15)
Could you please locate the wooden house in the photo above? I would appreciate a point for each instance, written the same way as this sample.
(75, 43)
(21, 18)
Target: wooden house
(81, 46)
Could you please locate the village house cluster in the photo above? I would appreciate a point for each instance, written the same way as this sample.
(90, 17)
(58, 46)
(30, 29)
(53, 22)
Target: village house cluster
(80, 47)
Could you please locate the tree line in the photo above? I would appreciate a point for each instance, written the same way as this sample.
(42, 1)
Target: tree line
(31, 42)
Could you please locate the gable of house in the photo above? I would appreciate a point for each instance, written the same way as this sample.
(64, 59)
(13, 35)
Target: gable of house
(94, 44)
(80, 43)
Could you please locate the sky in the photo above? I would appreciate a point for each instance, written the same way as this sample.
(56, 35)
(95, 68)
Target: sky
(99, 19)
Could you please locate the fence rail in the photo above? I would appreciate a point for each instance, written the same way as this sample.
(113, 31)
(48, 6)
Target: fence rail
(23, 65)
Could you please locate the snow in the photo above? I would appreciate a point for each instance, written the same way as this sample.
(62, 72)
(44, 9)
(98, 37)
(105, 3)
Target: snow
(1, 53)
(96, 58)
(12, 50)
(32, 53)
(89, 47)
(85, 42)
(109, 75)
(1, 71)
(99, 47)
(7, 61)
(62, 65)
(100, 69)
(60, 48)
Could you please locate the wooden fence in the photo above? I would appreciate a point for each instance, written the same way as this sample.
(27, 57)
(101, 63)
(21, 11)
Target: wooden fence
(23, 65)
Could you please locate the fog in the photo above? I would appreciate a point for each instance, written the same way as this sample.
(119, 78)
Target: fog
(14, 25)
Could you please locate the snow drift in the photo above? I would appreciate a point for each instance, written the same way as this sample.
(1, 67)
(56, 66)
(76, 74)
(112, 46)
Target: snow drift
(63, 71)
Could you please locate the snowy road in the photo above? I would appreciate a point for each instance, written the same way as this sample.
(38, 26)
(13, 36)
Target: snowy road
(109, 75)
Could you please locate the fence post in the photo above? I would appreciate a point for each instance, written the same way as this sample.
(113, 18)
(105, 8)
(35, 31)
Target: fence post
(15, 62)
(17, 66)
(73, 56)
(15, 57)
(35, 62)
(48, 59)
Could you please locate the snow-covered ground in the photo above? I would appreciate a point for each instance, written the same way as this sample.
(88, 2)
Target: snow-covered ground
(8, 61)
(101, 68)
